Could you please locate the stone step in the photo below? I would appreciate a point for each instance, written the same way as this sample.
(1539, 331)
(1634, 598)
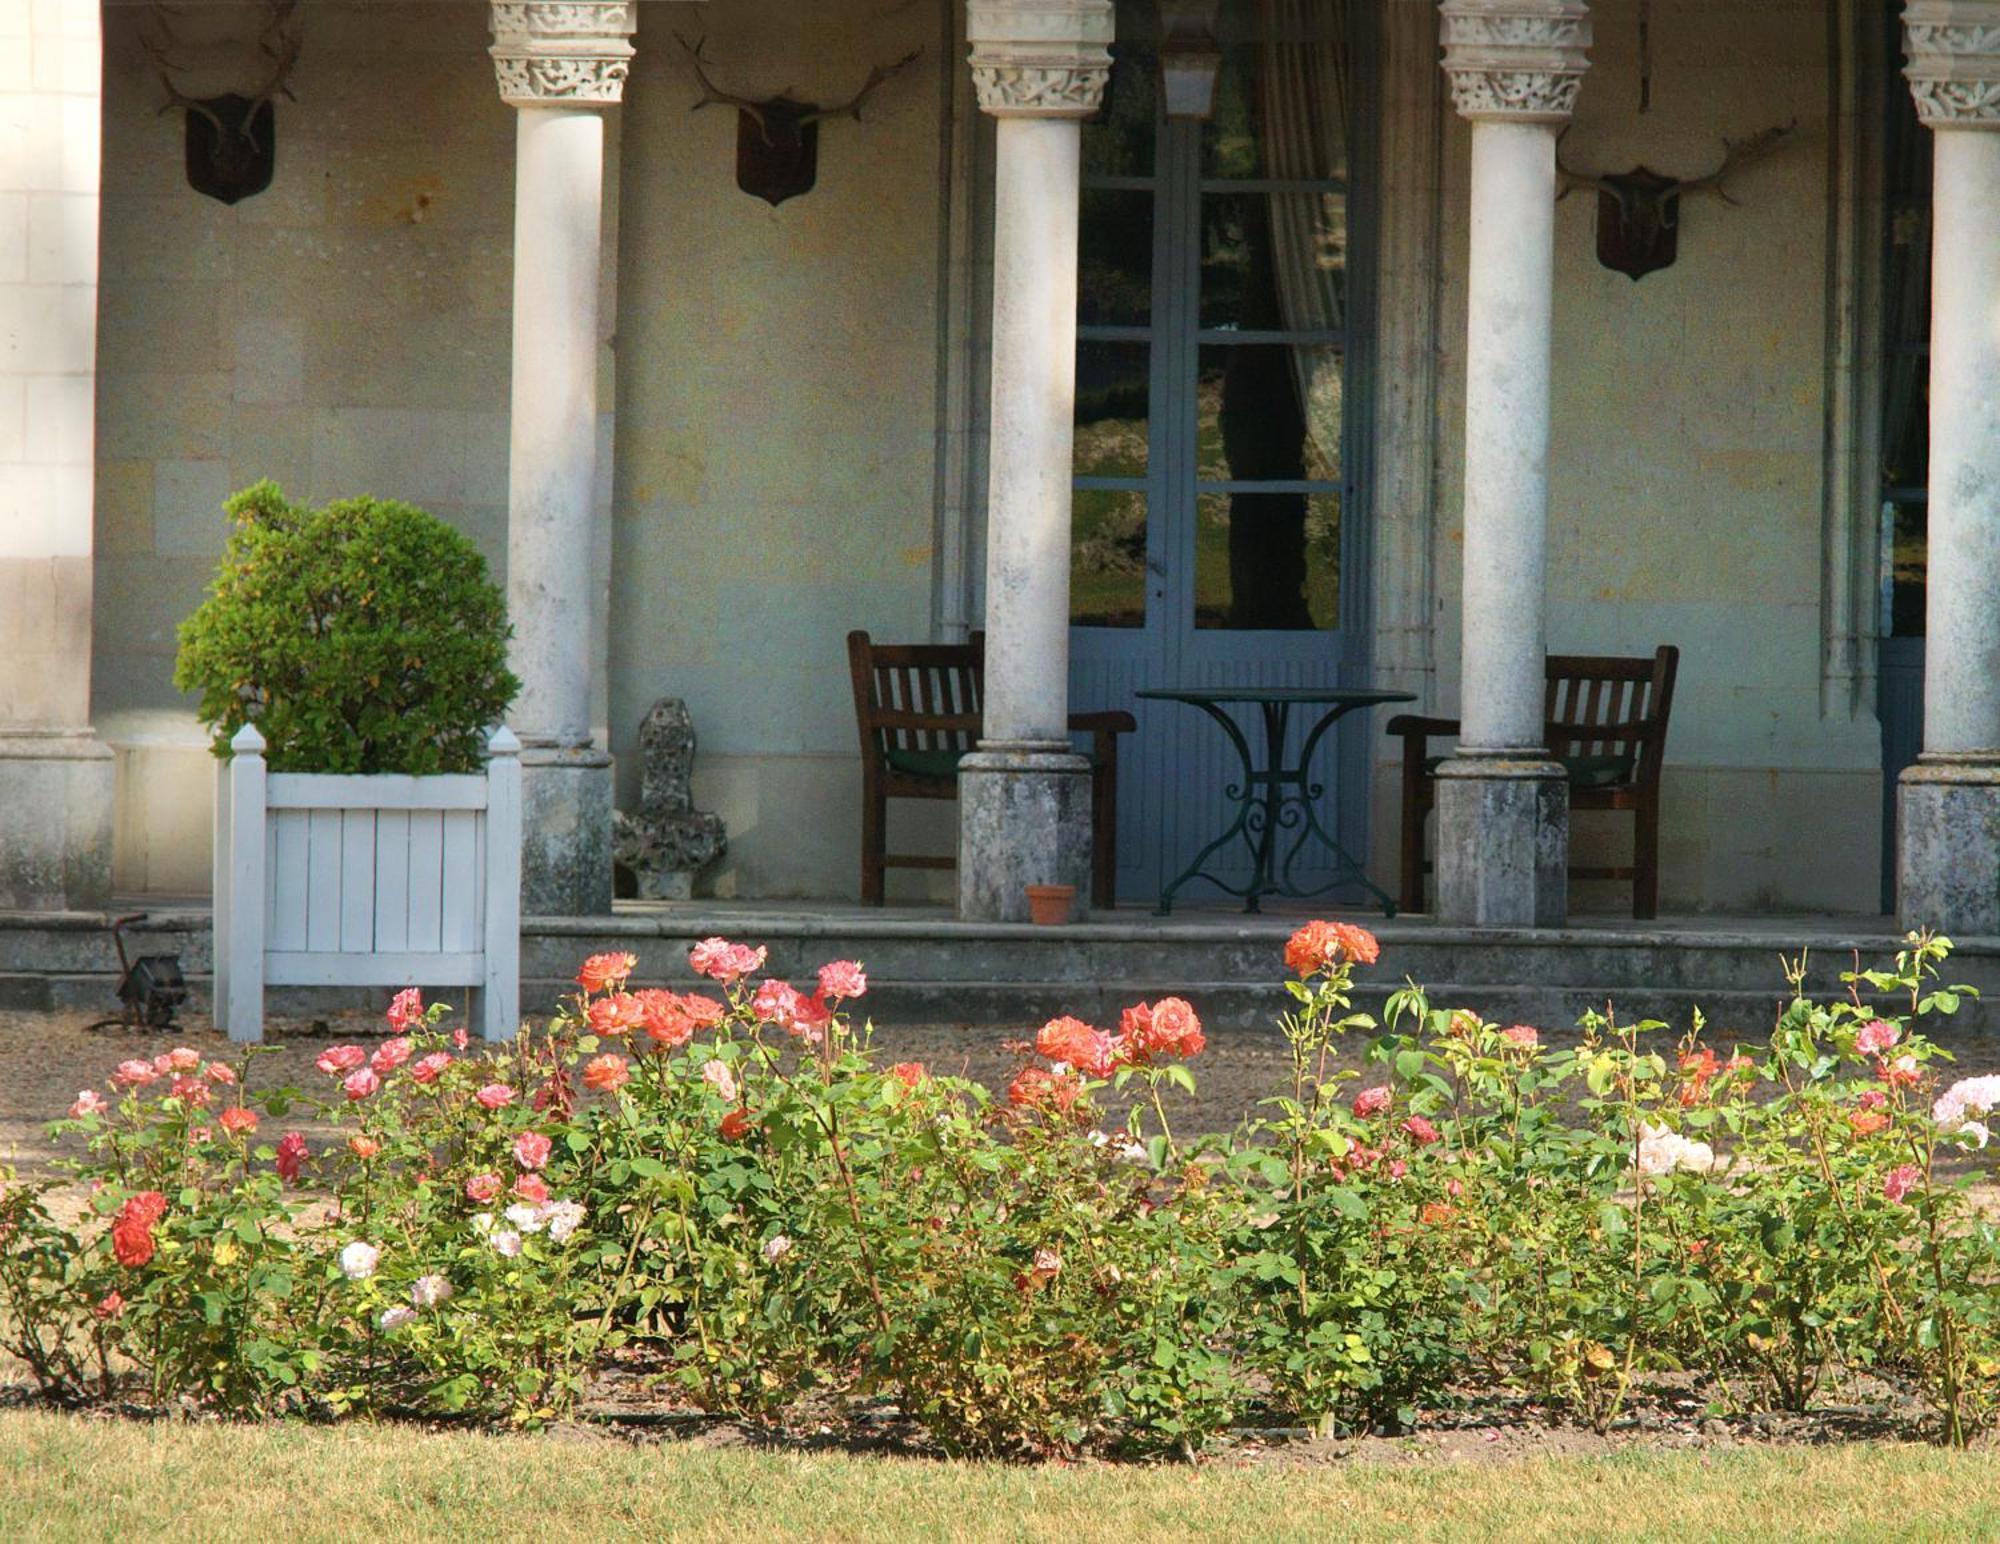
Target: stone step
(928, 968)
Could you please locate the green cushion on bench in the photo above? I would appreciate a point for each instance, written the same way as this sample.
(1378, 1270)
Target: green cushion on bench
(1606, 771)
(943, 764)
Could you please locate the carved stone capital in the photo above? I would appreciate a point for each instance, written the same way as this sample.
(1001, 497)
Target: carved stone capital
(561, 53)
(1040, 58)
(1519, 61)
(1954, 68)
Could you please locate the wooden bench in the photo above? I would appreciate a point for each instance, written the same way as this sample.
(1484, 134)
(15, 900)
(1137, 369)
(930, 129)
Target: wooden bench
(1607, 724)
(919, 707)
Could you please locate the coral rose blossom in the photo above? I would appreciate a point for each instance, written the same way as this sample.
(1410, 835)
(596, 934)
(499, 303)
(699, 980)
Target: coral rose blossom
(482, 1188)
(183, 1059)
(390, 1055)
(1866, 1123)
(132, 1229)
(236, 1120)
(1372, 1101)
(1166, 1028)
(88, 1102)
(618, 1014)
(1036, 1088)
(720, 960)
(1076, 1044)
(407, 1009)
(605, 1074)
(909, 1074)
(776, 1002)
(1522, 1037)
(340, 1059)
(427, 1068)
(734, 1126)
(1320, 946)
(363, 1147)
(360, 1084)
(497, 1096)
(1901, 1181)
(531, 1149)
(532, 1189)
(291, 1156)
(664, 1018)
(601, 972)
(1901, 1073)
(1421, 1131)
(220, 1072)
(842, 979)
(135, 1073)
(110, 1306)
(702, 1012)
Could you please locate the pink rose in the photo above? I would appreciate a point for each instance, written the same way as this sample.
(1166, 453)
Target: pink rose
(482, 1188)
(1372, 1101)
(1522, 1037)
(135, 1073)
(427, 1070)
(390, 1055)
(183, 1059)
(407, 1009)
(776, 1002)
(716, 1075)
(531, 1149)
(1876, 1037)
(720, 960)
(530, 1188)
(339, 1059)
(842, 979)
(221, 1072)
(191, 1091)
(495, 1096)
(361, 1083)
(1421, 1131)
(1872, 1099)
(1901, 1181)
(291, 1156)
(88, 1102)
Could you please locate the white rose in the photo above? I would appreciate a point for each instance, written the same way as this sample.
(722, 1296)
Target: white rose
(357, 1261)
(527, 1218)
(776, 1248)
(395, 1318)
(506, 1242)
(429, 1291)
(563, 1218)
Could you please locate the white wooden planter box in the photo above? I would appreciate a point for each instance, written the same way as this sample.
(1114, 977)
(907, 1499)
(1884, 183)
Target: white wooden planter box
(375, 880)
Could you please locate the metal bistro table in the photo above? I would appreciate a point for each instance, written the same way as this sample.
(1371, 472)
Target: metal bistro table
(1275, 797)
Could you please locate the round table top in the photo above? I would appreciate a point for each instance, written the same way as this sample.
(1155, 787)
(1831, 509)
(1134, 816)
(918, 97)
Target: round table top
(1342, 696)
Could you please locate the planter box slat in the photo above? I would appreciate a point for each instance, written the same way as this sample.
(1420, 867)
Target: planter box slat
(388, 881)
(462, 968)
(375, 791)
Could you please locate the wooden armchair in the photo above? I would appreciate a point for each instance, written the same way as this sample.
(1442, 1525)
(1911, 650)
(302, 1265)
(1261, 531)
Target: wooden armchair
(918, 708)
(1607, 725)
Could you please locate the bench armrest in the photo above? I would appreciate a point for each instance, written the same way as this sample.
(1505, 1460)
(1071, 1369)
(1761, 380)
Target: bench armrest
(1114, 721)
(1414, 726)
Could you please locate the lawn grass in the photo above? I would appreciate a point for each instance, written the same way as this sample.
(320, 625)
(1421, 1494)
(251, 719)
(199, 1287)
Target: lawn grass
(70, 1478)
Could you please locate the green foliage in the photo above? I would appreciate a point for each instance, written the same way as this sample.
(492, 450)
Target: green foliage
(364, 636)
(729, 1192)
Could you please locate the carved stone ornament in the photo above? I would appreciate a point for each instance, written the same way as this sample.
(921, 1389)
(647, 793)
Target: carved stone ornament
(555, 53)
(1520, 61)
(1954, 68)
(668, 841)
(1040, 58)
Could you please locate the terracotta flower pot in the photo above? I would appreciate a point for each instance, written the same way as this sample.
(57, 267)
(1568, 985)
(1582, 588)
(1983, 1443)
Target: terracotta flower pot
(1049, 905)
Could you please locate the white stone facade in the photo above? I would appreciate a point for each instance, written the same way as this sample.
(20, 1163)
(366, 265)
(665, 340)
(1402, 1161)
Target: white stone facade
(779, 404)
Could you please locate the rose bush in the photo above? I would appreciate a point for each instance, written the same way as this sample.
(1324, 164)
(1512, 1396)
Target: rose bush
(728, 1190)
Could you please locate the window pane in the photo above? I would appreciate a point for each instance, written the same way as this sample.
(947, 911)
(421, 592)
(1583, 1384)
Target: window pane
(1111, 409)
(1267, 561)
(1274, 261)
(1115, 256)
(1268, 412)
(1107, 558)
(1118, 141)
(1283, 98)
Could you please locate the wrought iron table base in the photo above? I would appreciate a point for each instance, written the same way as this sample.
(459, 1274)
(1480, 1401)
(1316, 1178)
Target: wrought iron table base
(1268, 802)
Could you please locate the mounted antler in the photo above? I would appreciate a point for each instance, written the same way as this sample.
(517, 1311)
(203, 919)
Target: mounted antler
(852, 108)
(230, 159)
(1638, 214)
(713, 95)
(777, 140)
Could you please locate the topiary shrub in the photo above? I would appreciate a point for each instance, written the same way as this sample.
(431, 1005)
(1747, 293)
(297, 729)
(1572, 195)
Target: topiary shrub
(364, 636)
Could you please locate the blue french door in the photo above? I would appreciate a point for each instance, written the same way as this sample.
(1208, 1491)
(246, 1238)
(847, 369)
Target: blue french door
(1218, 536)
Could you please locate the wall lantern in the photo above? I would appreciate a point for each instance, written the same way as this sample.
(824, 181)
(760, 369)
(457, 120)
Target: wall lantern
(1190, 58)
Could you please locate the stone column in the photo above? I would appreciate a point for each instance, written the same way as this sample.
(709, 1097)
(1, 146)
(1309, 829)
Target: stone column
(55, 775)
(560, 63)
(1949, 802)
(1503, 806)
(1024, 796)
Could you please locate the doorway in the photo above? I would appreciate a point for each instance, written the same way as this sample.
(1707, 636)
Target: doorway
(1220, 515)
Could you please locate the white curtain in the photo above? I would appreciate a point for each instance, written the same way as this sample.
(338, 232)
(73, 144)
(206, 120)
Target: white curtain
(1304, 100)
